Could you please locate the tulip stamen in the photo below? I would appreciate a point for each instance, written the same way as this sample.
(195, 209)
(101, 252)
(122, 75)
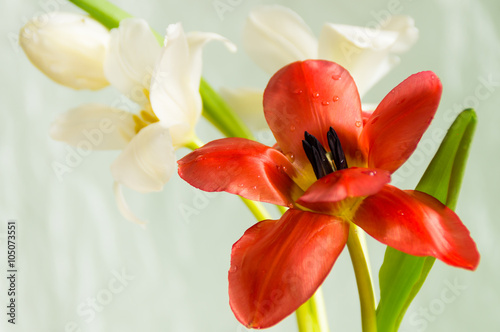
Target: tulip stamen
(337, 152)
(323, 162)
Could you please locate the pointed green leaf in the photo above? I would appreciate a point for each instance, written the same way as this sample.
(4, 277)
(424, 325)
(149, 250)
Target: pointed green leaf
(401, 275)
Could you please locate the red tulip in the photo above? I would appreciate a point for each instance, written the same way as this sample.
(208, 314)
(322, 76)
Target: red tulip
(332, 168)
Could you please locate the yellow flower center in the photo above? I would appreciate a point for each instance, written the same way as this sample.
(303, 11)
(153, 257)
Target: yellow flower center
(145, 117)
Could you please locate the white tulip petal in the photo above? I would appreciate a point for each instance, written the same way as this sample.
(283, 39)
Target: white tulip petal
(148, 161)
(369, 73)
(174, 93)
(407, 32)
(101, 126)
(123, 206)
(131, 58)
(365, 53)
(68, 48)
(275, 36)
(196, 41)
(247, 103)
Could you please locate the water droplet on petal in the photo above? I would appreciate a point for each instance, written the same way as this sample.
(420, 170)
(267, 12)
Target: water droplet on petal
(241, 185)
(290, 205)
(357, 123)
(291, 157)
(297, 91)
(219, 167)
(336, 77)
(335, 98)
(233, 269)
(370, 173)
(292, 128)
(254, 187)
(325, 103)
(315, 94)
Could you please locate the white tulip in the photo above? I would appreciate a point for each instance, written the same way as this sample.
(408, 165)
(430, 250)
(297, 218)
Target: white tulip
(164, 82)
(275, 36)
(68, 48)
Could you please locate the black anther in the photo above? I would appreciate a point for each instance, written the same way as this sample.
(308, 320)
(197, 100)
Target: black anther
(338, 156)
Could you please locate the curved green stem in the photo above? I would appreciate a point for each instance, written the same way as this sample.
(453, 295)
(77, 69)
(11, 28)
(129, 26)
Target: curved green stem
(103, 11)
(194, 144)
(281, 209)
(311, 316)
(258, 210)
(355, 244)
(216, 110)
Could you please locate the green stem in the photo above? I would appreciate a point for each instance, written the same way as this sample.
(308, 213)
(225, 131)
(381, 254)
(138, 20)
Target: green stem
(103, 11)
(363, 279)
(258, 210)
(281, 209)
(311, 316)
(194, 144)
(216, 110)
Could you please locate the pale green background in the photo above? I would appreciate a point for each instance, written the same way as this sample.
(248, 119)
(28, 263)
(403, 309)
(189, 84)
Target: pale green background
(72, 237)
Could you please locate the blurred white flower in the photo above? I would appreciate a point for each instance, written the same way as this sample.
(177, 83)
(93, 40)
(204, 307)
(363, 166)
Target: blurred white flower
(164, 82)
(275, 36)
(68, 48)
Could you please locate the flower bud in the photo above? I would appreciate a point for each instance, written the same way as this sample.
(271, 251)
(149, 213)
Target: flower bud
(68, 48)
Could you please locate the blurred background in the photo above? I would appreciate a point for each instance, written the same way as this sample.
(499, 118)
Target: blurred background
(83, 267)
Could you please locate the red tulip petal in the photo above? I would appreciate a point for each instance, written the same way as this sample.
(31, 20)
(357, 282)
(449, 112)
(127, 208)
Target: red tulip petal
(366, 115)
(242, 167)
(417, 224)
(312, 96)
(342, 184)
(393, 131)
(278, 264)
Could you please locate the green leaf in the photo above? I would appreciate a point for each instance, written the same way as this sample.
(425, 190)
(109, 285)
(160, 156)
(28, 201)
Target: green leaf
(401, 275)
